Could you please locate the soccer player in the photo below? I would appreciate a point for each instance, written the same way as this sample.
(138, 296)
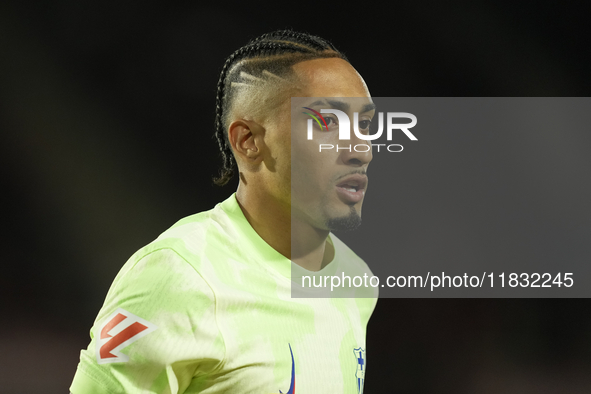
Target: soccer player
(207, 307)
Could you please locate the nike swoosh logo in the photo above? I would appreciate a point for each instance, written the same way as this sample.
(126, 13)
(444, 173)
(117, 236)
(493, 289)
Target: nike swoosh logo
(292, 381)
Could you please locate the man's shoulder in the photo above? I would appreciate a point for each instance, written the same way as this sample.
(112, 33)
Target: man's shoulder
(193, 235)
(200, 227)
(188, 225)
(194, 227)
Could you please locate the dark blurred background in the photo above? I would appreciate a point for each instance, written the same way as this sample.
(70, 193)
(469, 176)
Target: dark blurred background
(106, 114)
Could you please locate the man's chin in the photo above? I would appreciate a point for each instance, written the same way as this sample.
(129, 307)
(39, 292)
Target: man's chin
(348, 222)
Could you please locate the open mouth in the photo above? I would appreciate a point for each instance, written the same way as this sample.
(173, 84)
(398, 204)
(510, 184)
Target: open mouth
(352, 188)
(349, 188)
(353, 182)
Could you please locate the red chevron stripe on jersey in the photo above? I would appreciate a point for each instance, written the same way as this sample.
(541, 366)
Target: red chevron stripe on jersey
(118, 331)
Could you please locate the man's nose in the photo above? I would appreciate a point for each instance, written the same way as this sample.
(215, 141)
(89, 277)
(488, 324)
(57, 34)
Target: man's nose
(358, 154)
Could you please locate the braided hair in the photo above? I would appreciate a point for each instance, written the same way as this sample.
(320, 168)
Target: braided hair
(270, 54)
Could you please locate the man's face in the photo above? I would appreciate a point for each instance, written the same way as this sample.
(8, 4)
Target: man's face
(328, 186)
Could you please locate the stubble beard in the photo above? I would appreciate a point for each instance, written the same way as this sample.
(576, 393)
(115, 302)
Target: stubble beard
(348, 222)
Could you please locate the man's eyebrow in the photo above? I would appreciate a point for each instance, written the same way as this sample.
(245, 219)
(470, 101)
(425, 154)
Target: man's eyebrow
(368, 107)
(341, 105)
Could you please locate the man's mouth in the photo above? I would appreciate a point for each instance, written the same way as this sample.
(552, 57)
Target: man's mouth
(352, 188)
(349, 188)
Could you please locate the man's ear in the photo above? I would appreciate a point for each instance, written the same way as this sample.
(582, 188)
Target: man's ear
(246, 138)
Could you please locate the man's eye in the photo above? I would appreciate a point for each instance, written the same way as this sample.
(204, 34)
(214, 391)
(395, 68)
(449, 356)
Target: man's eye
(330, 121)
(364, 124)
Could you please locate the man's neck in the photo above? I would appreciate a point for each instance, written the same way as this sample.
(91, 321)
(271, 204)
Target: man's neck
(309, 246)
(296, 240)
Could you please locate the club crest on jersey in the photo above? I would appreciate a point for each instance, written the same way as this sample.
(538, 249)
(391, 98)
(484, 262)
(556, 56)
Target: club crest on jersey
(360, 373)
(119, 330)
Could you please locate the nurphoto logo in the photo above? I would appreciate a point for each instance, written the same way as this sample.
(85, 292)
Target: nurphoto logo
(344, 125)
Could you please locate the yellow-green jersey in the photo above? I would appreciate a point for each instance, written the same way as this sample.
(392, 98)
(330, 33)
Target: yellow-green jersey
(207, 308)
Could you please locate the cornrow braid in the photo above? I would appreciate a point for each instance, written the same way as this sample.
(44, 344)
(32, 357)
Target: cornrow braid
(274, 53)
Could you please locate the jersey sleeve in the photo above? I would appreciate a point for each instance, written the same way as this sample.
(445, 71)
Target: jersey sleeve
(156, 332)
